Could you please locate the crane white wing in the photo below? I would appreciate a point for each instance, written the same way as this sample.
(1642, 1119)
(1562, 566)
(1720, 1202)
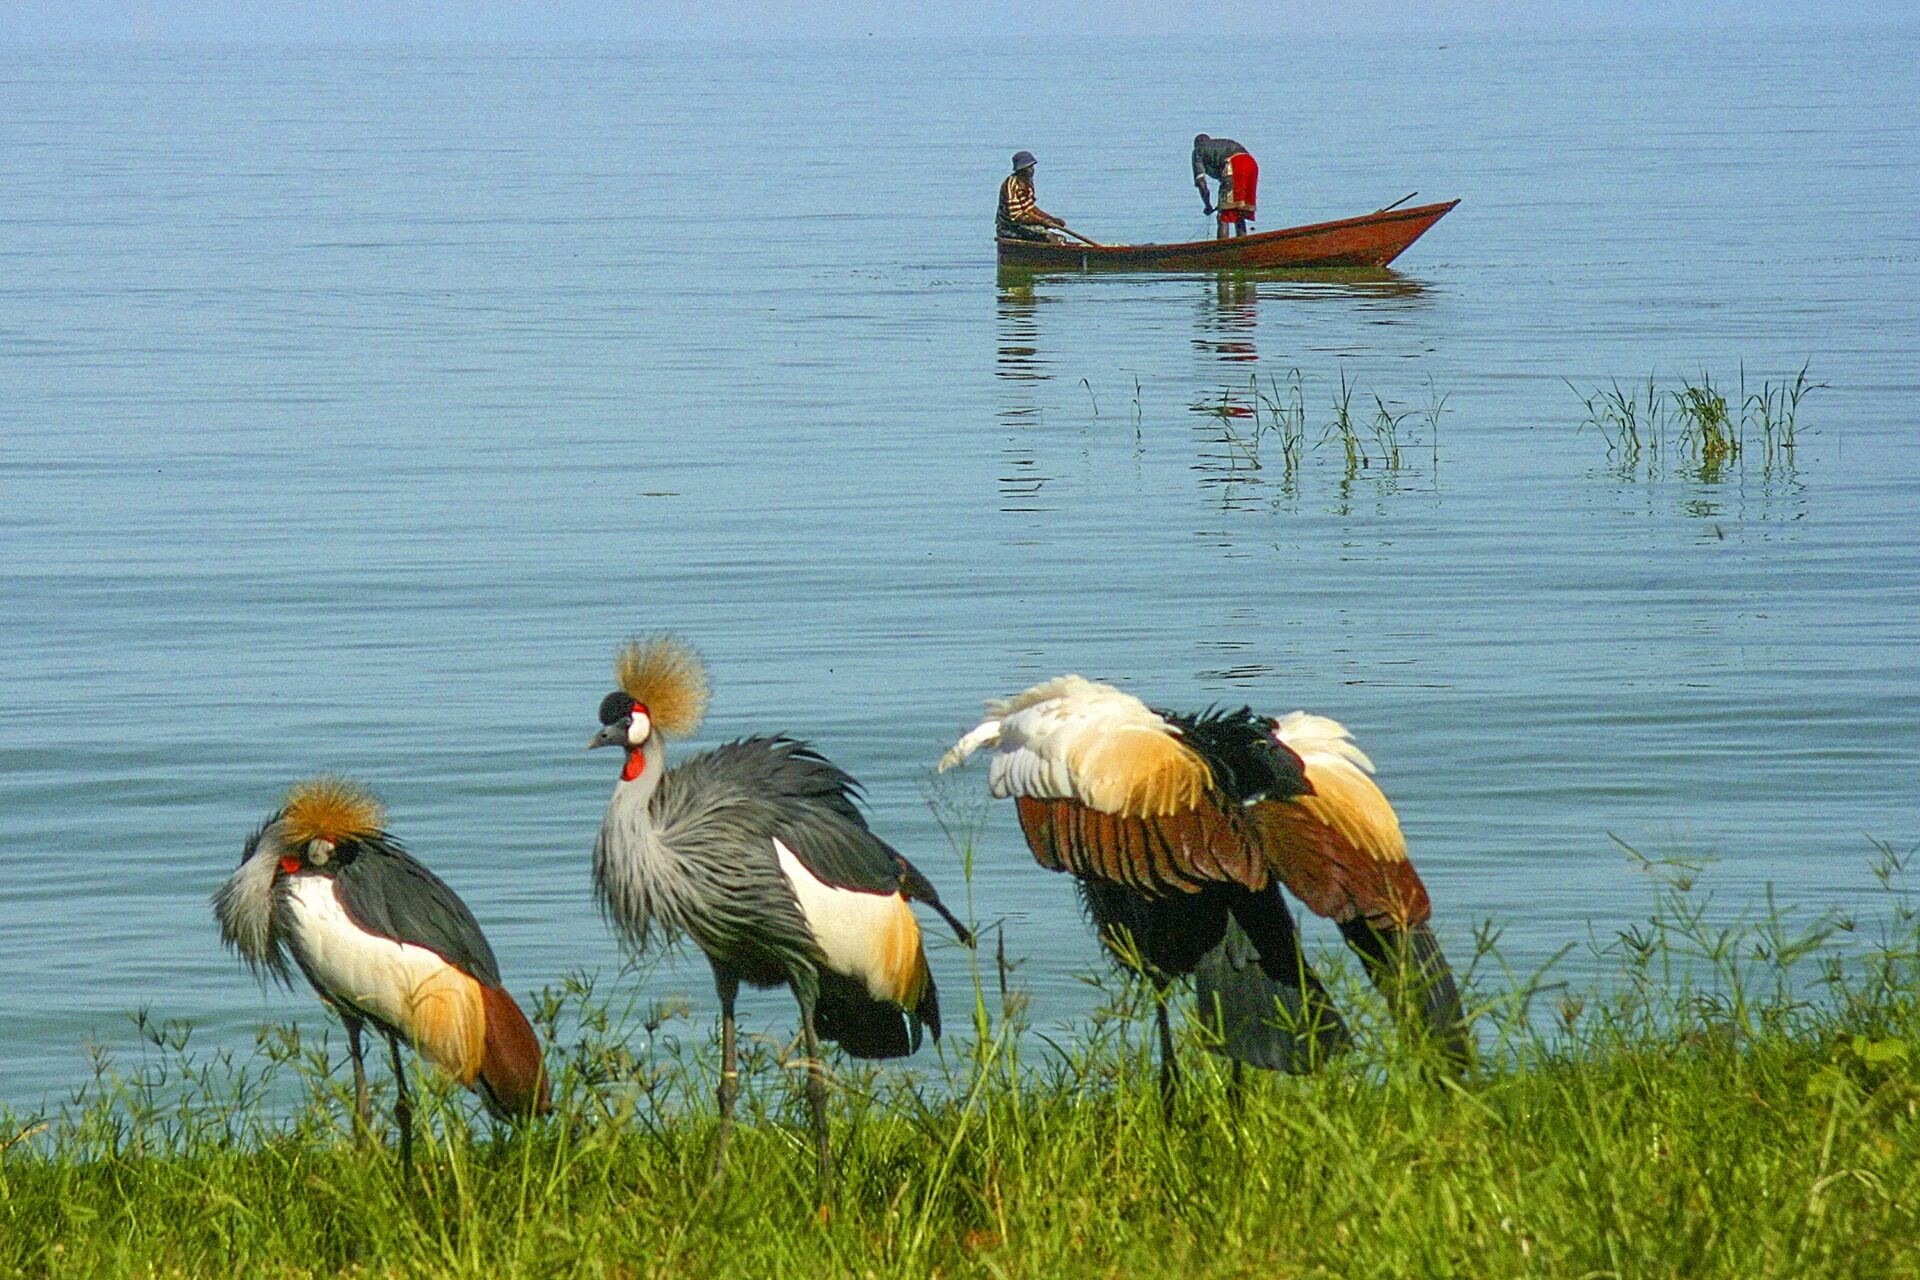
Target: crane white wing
(409, 988)
(1075, 739)
(1345, 797)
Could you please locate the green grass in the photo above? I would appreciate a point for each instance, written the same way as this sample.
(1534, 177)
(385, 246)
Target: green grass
(1740, 1098)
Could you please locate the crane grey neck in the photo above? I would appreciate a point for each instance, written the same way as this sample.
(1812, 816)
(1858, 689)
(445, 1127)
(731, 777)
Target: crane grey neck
(640, 881)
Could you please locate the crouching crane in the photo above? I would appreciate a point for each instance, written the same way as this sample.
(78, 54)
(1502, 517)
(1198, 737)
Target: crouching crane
(1179, 830)
(323, 887)
(758, 852)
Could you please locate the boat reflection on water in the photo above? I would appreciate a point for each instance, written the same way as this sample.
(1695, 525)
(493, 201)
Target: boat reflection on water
(1017, 348)
(1052, 325)
(1017, 359)
(1228, 314)
(1229, 302)
(1016, 283)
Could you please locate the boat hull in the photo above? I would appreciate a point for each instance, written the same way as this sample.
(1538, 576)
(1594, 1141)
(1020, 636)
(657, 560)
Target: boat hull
(1372, 240)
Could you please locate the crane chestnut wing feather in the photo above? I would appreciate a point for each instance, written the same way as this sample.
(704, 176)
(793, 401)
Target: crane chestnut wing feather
(1340, 849)
(1180, 853)
(1112, 790)
(385, 891)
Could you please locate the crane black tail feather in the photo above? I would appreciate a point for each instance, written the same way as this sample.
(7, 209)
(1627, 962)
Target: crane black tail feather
(868, 1028)
(1411, 972)
(920, 889)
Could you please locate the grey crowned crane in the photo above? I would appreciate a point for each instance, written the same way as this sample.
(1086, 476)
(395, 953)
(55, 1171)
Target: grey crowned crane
(757, 851)
(1180, 829)
(323, 887)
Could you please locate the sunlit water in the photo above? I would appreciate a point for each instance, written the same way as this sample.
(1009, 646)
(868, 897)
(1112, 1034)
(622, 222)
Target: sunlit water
(355, 403)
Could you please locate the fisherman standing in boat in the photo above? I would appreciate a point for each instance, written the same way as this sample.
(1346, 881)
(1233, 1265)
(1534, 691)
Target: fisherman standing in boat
(1019, 218)
(1232, 166)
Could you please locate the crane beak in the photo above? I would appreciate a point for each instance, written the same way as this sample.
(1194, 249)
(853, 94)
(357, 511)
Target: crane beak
(613, 735)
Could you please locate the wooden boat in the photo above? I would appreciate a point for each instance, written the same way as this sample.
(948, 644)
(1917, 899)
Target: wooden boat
(1371, 240)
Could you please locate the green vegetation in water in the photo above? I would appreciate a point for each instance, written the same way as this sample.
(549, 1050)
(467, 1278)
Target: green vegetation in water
(1741, 1099)
(1645, 425)
(1276, 413)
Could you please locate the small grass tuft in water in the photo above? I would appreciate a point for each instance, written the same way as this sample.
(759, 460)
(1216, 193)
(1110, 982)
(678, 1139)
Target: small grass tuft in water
(1340, 427)
(1260, 416)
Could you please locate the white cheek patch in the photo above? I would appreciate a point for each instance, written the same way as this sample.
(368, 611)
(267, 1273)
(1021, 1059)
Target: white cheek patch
(639, 729)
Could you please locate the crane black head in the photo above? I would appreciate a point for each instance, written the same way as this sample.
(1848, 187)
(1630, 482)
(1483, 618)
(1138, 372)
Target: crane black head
(624, 722)
(1247, 761)
(663, 686)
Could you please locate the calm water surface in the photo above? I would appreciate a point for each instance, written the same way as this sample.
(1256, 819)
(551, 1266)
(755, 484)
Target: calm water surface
(355, 403)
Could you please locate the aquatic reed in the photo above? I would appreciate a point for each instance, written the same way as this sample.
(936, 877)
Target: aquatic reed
(1386, 432)
(1432, 408)
(1708, 431)
(1340, 427)
(1276, 413)
(1286, 411)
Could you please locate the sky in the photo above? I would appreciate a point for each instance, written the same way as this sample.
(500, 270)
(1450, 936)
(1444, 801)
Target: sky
(263, 21)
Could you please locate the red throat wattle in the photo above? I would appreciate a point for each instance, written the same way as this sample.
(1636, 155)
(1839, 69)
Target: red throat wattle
(289, 864)
(636, 761)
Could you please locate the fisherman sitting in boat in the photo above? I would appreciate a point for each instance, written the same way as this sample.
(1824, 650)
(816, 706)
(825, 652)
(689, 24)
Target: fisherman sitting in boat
(1232, 166)
(1019, 218)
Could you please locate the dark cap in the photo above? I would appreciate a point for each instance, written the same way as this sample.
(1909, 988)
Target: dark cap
(1201, 139)
(1023, 160)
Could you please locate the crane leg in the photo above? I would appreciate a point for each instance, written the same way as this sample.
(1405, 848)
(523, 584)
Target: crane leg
(816, 1093)
(1169, 1071)
(729, 988)
(362, 1104)
(402, 1105)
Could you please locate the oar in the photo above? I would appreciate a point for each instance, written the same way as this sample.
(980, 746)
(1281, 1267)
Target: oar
(1397, 203)
(1077, 236)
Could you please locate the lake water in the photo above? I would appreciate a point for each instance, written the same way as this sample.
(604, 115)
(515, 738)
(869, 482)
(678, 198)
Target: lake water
(355, 403)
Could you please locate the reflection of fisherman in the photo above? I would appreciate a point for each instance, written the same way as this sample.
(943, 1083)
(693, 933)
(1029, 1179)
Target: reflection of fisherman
(1232, 166)
(1019, 218)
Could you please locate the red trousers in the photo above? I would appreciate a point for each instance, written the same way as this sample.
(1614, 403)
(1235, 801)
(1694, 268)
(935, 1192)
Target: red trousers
(1240, 190)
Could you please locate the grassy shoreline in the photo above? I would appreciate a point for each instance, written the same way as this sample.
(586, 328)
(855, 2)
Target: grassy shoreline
(1745, 1101)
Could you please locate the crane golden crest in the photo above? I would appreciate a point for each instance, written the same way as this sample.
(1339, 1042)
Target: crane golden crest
(667, 676)
(332, 809)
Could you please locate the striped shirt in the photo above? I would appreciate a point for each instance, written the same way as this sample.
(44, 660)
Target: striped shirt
(1017, 207)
